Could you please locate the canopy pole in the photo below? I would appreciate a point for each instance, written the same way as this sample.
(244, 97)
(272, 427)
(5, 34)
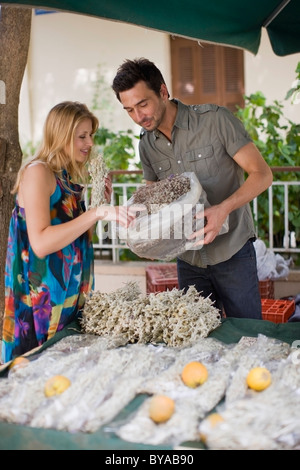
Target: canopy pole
(275, 13)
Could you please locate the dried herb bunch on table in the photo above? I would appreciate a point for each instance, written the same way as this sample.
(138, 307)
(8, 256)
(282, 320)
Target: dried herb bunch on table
(172, 317)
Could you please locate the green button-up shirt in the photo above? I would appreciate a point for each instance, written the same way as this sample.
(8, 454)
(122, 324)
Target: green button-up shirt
(204, 140)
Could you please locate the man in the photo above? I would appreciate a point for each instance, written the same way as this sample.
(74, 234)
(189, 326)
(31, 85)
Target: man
(211, 142)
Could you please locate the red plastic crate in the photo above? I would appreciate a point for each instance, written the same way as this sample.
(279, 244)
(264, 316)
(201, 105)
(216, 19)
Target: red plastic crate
(266, 289)
(161, 277)
(277, 311)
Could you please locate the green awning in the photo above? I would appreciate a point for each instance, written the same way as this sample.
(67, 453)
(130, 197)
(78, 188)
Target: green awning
(229, 22)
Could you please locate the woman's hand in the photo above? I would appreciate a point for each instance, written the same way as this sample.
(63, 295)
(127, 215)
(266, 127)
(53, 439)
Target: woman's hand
(124, 215)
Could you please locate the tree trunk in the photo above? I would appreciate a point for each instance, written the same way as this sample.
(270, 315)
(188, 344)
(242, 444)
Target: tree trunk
(15, 27)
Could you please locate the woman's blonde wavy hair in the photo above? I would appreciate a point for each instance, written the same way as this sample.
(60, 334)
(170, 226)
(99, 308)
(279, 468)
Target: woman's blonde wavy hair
(58, 135)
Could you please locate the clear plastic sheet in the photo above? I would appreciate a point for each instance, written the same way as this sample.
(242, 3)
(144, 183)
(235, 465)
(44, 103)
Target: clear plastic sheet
(105, 379)
(193, 405)
(267, 420)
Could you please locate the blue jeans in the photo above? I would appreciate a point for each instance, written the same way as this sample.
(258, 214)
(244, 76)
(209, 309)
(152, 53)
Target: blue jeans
(232, 285)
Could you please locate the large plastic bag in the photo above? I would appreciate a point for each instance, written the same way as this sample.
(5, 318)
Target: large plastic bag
(164, 235)
(270, 265)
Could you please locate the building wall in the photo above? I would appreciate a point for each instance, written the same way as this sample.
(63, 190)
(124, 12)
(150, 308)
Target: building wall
(65, 53)
(67, 50)
(273, 75)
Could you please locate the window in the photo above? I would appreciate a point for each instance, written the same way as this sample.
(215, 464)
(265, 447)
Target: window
(207, 73)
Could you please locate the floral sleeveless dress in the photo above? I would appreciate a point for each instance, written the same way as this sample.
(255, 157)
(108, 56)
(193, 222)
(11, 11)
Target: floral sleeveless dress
(43, 295)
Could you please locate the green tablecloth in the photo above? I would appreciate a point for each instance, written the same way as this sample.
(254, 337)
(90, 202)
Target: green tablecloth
(16, 437)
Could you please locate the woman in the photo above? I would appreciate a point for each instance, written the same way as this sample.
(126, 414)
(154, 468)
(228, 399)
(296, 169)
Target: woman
(49, 264)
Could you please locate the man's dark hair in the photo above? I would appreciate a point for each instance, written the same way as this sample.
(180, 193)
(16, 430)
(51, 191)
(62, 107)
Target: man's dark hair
(133, 71)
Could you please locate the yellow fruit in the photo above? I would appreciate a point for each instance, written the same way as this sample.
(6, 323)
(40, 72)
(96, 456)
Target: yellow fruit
(161, 408)
(56, 385)
(208, 424)
(259, 378)
(214, 419)
(19, 362)
(194, 374)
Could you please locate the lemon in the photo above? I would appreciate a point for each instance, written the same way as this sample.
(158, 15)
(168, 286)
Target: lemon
(259, 378)
(213, 420)
(56, 385)
(194, 374)
(161, 408)
(19, 362)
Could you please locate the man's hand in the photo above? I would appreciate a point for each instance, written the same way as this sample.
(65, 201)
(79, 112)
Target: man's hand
(214, 218)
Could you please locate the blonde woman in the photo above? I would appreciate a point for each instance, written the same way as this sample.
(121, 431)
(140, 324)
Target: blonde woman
(49, 264)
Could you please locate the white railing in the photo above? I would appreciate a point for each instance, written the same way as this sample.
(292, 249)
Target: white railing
(108, 239)
(289, 242)
(106, 231)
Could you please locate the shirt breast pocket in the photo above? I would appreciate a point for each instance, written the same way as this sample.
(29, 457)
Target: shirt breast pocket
(162, 169)
(202, 161)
